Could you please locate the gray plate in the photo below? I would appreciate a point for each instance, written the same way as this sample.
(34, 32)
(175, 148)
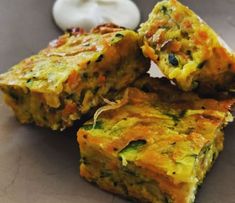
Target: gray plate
(40, 166)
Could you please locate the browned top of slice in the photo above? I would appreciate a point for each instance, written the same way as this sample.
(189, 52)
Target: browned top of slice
(75, 51)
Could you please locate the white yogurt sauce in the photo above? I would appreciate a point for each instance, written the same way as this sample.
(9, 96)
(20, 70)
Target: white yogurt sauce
(90, 13)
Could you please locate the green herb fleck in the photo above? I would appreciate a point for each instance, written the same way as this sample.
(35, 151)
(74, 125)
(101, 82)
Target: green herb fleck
(29, 82)
(168, 200)
(174, 117)
(86, 44)
(182, 113)
(117, 38)
(185, 34)
(83, 160)
(189, 54)
(173, 60)
(202, 64)
(129, 153)
(96, 89)
(195, 85)
(164, 9)
(119, 35)
(214, 156)
(85, 76)
(100, 58)
(134, 145)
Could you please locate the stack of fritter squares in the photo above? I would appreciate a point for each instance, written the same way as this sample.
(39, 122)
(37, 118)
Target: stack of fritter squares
(151, 140)
(69, 78)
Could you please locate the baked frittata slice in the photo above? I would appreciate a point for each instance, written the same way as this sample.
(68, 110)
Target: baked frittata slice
(69, 78)
(186, 49)
(153, 147)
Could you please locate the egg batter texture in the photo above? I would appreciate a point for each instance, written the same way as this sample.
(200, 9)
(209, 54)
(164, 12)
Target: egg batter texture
(72, 75)
(186, 49)
(157, 146)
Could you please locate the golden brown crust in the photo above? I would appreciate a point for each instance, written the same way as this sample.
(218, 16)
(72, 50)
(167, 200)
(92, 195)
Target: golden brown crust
(186, 49)
(163, 137)
(72, 75)
(106, 28)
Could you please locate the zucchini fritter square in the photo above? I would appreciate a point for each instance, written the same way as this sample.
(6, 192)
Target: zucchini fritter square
(157, 147)
(70, 77)
(186, 49)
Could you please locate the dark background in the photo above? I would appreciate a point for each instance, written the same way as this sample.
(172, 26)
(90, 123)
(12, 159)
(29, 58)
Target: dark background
(37, 165)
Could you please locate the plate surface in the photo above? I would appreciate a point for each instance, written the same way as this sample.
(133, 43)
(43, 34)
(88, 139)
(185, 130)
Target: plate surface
(40, 166)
